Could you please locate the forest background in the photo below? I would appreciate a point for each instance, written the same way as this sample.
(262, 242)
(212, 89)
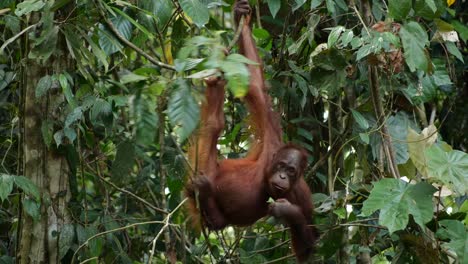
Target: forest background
(98, 99)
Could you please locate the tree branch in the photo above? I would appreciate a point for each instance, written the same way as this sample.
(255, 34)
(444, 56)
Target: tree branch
(128, 43)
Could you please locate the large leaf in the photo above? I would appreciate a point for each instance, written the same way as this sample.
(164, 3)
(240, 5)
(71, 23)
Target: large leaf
(451, 167)
(457, 233)
(397, 199)
(414, 39)
(32, 208)
(399, 9)
(417, 145)
(183, 110)
(196, 11)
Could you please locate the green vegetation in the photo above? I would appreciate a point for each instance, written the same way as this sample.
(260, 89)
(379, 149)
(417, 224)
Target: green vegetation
(98, 99)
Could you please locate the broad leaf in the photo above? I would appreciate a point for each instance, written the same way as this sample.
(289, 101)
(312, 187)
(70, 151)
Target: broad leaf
(360, 119)
(197, 11)
(44, 84)
(47, 129)
(417, 145)
(452, 49)
(183, 110)
(457, 233)
(414, 39)
(237, 75)
(397, 199)
(451, 168)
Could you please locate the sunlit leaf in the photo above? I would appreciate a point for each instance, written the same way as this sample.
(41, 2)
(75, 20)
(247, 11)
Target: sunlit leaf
(450, 167)
(396, 200)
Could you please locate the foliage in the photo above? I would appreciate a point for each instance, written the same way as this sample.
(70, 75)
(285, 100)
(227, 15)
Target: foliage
(374, 90)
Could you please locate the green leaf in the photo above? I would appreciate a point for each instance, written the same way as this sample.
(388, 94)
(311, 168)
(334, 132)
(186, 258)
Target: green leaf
(28, 6)
(237, 75)
(457, 233)
(183, 110)
(451, 168)
(364, 137)
(417, 145)
(44, 84)
(75, 115)
(123, 162)
(107, 41)
(32, 208)
(66, 238)
(132, 77)
(399, 9)
(298, 4)
(101, 108)
(414, 39)
(240, 59)
(197, 11)
(360, 119)
(6, 185)
(452, 49)
(58, 137)
(334, 35)
(203, 74)
(461, 29)
(66, 89)
(274, 6)
(27, 186)
(315, 3)
(397, 199)
(70, 134)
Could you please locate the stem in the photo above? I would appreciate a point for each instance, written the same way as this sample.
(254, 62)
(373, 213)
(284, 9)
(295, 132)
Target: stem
(380, 114)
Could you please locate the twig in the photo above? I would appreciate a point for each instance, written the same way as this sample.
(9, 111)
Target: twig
(379, 112)
(166, 224)
(134, 196)
(10, 40)
(128, 43)
(112, 231)
(4, 11)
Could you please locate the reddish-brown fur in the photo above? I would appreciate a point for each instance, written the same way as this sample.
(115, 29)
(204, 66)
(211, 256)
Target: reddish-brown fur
(235, 191)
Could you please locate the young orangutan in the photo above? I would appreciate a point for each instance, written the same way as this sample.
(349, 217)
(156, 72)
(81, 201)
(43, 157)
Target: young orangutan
(236, 191)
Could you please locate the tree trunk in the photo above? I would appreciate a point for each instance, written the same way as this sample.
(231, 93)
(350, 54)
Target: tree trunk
(38, 240)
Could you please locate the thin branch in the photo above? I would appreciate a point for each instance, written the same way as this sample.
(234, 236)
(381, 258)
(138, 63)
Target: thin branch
(10, 40)
(133, 195)
(4, 11)
(128, 43)
(379, 112)
(166, 224)
(112, 231)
